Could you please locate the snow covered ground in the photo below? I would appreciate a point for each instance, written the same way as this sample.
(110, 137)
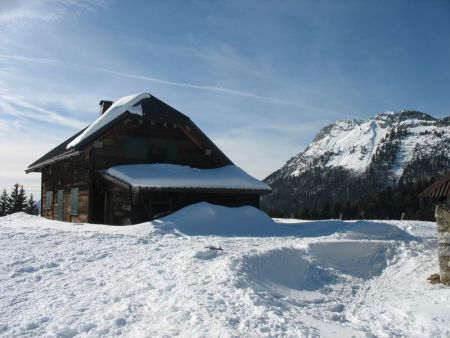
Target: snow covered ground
(278, 278)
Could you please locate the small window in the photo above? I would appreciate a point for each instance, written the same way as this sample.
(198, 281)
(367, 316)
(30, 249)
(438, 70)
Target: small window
(135, 147)
(172, 150)
(49, 200)
(74, 201)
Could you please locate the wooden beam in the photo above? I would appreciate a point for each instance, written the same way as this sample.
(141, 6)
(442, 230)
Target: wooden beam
(187, 131)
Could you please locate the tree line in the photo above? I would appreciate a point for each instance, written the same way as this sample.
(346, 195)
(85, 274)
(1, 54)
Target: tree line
(17, 201)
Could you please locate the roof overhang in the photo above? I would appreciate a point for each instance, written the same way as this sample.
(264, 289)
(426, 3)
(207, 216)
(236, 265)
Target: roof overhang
(36, 167)
(170, 177)
(439, 189)
(126, 185)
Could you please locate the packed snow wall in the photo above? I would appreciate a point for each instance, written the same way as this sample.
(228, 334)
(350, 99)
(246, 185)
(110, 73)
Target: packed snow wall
(443, 223)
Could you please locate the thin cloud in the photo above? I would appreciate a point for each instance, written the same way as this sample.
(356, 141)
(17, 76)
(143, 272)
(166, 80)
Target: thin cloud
(17, 106)
(45, 10)
(170, 83)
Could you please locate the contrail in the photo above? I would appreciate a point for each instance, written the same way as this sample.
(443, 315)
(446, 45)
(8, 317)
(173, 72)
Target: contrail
(169, 83)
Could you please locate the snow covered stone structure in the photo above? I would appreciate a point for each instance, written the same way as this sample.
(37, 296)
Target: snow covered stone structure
(440, 190)
(138, 160)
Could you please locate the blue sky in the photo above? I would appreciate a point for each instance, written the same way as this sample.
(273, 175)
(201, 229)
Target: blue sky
(259, 77)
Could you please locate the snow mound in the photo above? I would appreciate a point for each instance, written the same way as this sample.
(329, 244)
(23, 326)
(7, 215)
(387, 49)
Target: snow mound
(204, 219)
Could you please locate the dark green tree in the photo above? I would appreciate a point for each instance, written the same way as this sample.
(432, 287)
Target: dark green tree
(4, 203)
(31, 207)
(17, 199)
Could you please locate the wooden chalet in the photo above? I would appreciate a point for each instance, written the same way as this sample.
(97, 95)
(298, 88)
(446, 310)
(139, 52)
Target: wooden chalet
(139, 160)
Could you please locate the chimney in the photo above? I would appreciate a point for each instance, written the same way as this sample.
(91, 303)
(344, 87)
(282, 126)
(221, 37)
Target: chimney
(104, 106)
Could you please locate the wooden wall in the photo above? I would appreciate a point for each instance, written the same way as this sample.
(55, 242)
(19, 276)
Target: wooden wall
(158, 138)
(65, 175)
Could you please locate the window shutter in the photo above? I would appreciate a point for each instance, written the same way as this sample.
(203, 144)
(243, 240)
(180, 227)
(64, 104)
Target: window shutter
(49, 200)
(74, 201)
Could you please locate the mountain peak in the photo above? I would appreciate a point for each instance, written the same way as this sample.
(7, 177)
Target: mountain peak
(354, 144)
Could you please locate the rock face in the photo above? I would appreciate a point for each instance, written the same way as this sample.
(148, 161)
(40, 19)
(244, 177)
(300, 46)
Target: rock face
(351, 159)
(443, 222)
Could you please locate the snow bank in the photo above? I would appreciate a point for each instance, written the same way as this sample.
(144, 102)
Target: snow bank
(178, 176)
(347, 229)
(203, 219)
(127, 103)
(23, 220)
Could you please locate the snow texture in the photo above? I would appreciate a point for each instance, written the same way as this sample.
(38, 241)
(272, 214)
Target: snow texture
(161, 175)
(326, 279)
(121, 106)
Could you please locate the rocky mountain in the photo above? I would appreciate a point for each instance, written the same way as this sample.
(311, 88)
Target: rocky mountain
(350, 163)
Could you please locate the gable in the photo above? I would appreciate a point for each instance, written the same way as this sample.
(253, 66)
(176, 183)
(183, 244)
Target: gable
(151, 112)
(136, 140)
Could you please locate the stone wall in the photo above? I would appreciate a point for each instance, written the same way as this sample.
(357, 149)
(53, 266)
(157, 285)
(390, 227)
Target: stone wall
(443, 222)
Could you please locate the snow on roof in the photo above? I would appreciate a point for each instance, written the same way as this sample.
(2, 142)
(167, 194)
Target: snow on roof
(161, 175)
(127, 103)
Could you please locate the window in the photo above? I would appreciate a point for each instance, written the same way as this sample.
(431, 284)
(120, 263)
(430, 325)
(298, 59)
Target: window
(74, 201)
(135, 147)
(172, 150)
(49, 200)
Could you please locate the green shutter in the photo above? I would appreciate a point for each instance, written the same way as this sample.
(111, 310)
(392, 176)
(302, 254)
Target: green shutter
(74, 201)
(135, 147)
(49, 200)
(172, 150)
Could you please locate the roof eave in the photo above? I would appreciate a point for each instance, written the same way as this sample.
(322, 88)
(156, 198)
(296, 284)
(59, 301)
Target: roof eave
(40, 165)
(127, 185)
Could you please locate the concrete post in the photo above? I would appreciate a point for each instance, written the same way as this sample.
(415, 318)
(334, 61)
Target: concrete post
(442, 214)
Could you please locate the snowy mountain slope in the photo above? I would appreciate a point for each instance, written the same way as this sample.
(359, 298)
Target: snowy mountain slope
(350, 162)
(354, 144)
(341, 280)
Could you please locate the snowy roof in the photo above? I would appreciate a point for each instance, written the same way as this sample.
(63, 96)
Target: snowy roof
(121, 106)
(178, 176)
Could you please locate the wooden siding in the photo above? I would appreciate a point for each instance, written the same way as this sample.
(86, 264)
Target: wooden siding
(159, 138)
(65, 175)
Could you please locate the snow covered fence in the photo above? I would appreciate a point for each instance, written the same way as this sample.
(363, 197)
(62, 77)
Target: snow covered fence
(443, 222)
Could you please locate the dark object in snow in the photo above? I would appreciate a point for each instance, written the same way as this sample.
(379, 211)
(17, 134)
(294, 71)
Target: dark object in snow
(434, 278)
(77, 184)
(212, 247)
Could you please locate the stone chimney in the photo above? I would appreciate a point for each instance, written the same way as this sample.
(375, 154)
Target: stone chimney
(104, 105)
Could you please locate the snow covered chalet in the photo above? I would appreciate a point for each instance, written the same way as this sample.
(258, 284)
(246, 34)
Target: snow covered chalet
(138, 160)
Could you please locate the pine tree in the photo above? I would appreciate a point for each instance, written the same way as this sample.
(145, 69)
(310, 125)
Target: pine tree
(31, 207)
(17, 199)
(4, 203)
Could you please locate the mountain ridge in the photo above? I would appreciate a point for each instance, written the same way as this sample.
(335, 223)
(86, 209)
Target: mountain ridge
(386, 150)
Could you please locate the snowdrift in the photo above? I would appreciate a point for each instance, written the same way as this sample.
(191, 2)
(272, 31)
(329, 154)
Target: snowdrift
(204, 219)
